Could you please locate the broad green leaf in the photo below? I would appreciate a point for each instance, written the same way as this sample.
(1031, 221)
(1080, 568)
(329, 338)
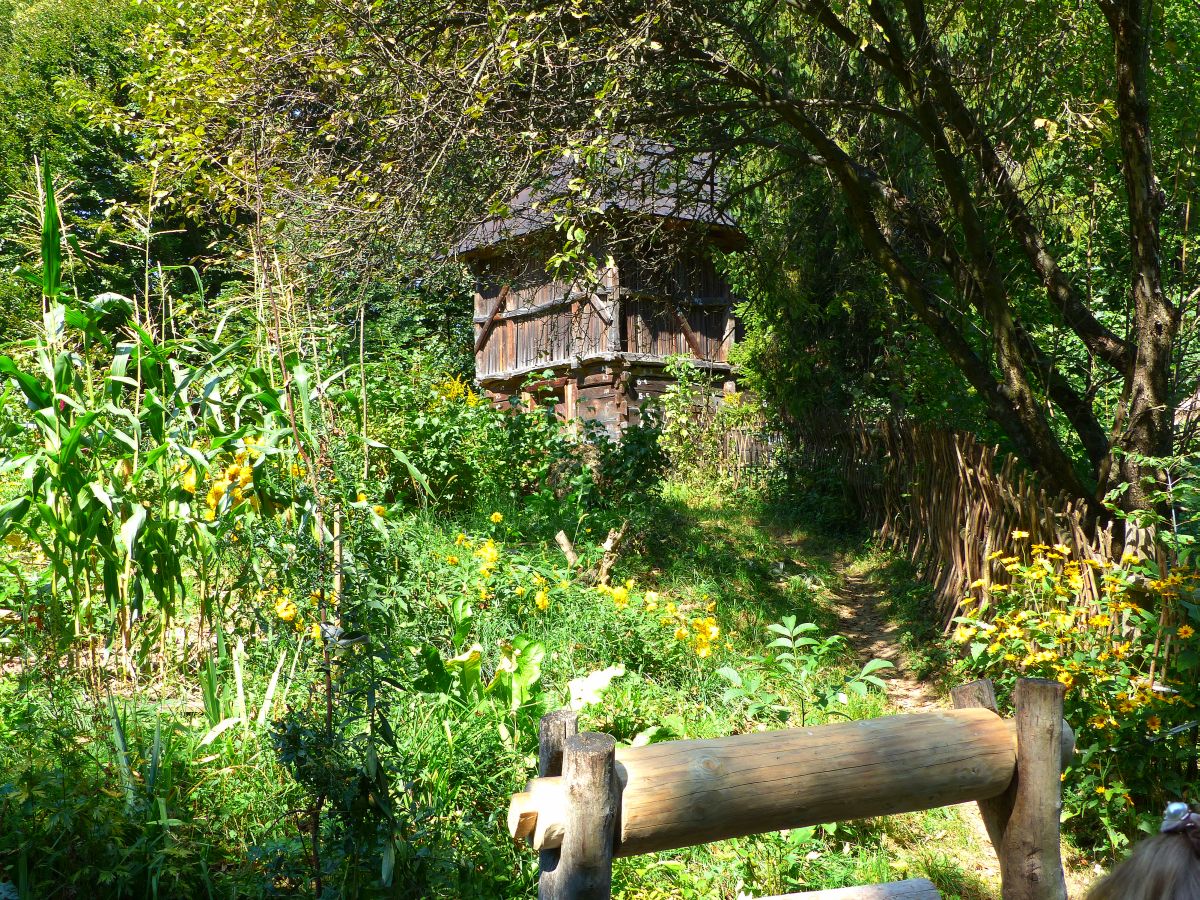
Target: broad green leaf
(131, 527)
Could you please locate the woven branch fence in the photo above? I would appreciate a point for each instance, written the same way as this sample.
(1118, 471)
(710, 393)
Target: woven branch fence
(952, 504)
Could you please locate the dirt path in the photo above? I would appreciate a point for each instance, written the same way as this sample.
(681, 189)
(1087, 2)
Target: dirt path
(857, 603)
(873, 637)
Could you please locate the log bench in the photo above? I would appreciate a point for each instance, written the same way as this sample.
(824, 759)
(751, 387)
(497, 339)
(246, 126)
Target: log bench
(594, 801)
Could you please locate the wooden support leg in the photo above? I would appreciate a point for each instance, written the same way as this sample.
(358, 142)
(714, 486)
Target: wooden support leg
(1031, 855)
(996, 811)
(1023, 822)
(584, 870)
(553, 732)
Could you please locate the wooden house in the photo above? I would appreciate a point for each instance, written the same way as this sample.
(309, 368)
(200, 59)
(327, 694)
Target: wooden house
(604, 341)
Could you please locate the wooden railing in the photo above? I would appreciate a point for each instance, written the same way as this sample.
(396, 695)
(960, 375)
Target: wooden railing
(595, 801)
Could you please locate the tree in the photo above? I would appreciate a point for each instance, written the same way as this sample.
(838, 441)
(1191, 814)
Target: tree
(55, 58)
(960, 139)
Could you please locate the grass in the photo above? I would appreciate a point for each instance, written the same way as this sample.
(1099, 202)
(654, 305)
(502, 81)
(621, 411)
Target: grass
(232, 818)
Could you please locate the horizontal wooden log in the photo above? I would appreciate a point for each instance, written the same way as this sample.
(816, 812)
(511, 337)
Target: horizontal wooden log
(681, 793)
(914, 889)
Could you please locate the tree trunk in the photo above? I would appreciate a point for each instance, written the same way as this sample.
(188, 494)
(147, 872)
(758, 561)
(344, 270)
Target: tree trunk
(1145, 419)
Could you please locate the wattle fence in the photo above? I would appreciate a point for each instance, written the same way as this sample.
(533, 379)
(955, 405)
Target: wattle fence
(952, 504)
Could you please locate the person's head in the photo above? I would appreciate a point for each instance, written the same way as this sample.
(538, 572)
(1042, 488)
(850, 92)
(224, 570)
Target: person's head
(1164, 867)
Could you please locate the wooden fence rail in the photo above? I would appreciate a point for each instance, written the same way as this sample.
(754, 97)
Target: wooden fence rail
(611, 801)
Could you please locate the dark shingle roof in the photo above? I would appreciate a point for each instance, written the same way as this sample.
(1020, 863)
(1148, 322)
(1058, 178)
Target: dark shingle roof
(653, 181)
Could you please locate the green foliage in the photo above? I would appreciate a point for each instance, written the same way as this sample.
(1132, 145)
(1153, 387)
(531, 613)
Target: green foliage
(698, 419)
(56, 59)
(802, 662)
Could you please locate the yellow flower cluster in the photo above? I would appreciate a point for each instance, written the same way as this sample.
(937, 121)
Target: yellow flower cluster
(456, 389)
(283, 602)
(1103, 649)
(234, 481)
(489, 555)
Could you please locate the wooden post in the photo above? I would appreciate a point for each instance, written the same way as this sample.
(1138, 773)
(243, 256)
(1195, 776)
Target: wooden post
(553, 732)
(1031, 852)
(584, 870)
(994, 811)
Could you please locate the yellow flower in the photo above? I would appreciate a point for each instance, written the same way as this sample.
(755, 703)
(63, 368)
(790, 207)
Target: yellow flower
(1018, 534)
(461, 540)
(651, 600)
(964, 634)
(1154, 723)
(977, 583)
(1067, 680)
(296, 471)
(452, 559)
(285, 608)
(496, 518)
(245, 475)
(702, 649)
(489, 553)
(189, 481)
(379, 510)
(316, 631)
(361, 497)
(1100, 621)
(681, 633)
(542, 599)
(1101, 790)
(521, 590)
(1185, 631)
(620, 596)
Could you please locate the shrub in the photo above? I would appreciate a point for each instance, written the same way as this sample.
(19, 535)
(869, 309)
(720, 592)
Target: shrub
(1128, 660)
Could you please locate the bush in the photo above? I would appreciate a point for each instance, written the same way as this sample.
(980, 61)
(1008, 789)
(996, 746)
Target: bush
(1129, 661)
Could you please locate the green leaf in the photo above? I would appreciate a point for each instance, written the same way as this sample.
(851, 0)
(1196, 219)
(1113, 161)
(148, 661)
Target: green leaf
(730, 674)
(51, 238)
(11, 513)
(31, 387)
(875, 665)
(129, 530)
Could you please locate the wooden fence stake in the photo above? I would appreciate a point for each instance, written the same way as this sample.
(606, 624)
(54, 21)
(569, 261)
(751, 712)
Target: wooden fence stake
(553, 731)
(1030, 851)
(584, 870)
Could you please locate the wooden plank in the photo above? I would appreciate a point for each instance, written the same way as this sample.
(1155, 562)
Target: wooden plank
(491, 318)
(995, 811)
(913, 889)
(682, 793)
(692, 340)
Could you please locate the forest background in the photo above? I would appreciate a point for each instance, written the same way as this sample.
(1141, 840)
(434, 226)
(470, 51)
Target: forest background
(281, 600)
